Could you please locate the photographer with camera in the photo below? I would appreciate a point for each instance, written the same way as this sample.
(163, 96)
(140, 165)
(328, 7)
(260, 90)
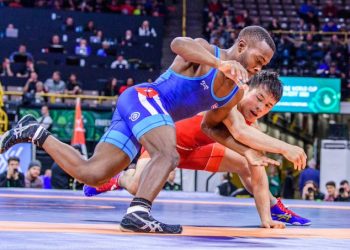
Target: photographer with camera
(311, 192)
(12, 177)
(344, 189)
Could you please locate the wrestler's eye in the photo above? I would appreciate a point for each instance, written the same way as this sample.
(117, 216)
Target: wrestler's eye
(258, 99)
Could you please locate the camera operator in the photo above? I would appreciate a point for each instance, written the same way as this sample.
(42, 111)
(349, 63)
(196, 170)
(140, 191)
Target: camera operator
(311, 192)
(12, 177)
(343, 191)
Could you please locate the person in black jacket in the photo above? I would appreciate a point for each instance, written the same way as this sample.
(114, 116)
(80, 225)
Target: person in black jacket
(12, 177)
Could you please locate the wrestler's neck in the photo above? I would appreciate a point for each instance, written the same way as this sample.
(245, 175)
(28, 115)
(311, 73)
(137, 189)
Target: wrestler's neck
(230, 54)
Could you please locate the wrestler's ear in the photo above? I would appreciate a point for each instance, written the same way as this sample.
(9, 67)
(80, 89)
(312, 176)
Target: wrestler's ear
(242, 45)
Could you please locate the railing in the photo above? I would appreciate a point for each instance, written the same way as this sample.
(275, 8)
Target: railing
(52, 97)
(323, 33)
(3, 115)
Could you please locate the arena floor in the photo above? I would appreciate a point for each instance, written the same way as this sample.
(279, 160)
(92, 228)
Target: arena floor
(40, 219)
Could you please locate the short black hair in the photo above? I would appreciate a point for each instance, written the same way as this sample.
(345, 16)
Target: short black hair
(12, 158)
(257, 34)
(270, 81)
(344, 182)
(330, 183)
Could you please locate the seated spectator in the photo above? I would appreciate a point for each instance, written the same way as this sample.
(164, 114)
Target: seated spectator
(171, 185)
(331, 191)
(344, 194)
(129, 83)
(330, 26)
(32, 178)
(120, 63)
(139, 10)
(85, 6)
(74, 87)
(103, 52)
(274, 25)
(11, 31)
(46, 179)
(30, 89)
(12, 177)
(55, 84)
(111, 87)
(113, 6)
(308, 12)
(45, 120)
(127, 8)
(61, 180)
(40, 89)
(5, 69)
(15, 4)
(21, 55)
(69, 25)
(146, 30)
(27, 70)
(99, 6)
(333, 71)
(129, 39)
(83, 49)
(226, 188)
(90, 27)
(329, 9)
(55, 46)
(97, 38)
(243, 19)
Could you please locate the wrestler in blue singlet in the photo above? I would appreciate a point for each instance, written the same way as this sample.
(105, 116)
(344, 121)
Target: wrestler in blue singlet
(170, 98)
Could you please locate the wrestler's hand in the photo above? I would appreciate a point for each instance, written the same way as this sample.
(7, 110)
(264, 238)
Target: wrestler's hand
(256, 158)
(296, 155)
(234, 71)
(273, 224)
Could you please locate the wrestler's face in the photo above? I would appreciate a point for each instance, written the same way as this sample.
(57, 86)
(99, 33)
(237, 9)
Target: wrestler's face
(254, 56)
(256, 103)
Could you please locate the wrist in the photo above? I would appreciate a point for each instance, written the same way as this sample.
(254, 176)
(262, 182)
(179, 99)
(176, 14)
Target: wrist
(217, 63)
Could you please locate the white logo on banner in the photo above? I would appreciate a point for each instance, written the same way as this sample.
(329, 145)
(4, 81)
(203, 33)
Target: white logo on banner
(23, 151)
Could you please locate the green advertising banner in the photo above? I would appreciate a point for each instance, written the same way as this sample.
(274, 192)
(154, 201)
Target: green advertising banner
(95, 122)
(309, 95)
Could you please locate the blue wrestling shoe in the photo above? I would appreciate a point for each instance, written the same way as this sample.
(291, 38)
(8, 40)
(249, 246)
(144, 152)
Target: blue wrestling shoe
(109, 186)
(143, 222)
(280, 213)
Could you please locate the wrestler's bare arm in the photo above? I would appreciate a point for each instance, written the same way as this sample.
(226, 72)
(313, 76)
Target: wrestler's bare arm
(258, 140)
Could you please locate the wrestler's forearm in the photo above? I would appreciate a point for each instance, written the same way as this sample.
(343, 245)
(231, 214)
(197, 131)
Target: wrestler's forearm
(192, 51)
(261, 193)
(223, 136)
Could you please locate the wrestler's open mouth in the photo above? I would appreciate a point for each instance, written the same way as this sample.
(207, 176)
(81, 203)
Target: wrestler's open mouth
(253, 113)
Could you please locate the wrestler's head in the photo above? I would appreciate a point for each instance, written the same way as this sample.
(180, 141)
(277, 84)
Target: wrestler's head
(264, 91)
(254, 48)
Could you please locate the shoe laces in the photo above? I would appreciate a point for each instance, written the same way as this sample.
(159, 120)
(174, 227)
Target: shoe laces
(284, 209)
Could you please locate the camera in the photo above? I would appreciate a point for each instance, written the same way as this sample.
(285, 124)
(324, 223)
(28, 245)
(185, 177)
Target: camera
(341, 190)
(310, 190)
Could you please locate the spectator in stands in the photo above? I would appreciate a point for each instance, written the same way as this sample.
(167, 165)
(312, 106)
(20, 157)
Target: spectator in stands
(32, 178)
(21, 55)
(310, 173)
(129, 39)
(83, 49)
(129, 83)
(74, 87)
(11, 31)
(55, 46)
(146, 30)
(55, 84)
(311, 192)
(61, 180)
(331, 191)
(120, 63)
(6, 68)
(171, 185)
(113, 6)
(344, 191)
(85, 6)
(103, 52)
(329, 9)
(127, 8)
(40, 89)
(243, 19)
(274, 181)
(139, 10)
(90, 27)
(330, 26)
(69, 5)
(215, 6)
(15, 4)
(308, 12)
(226, 188)
(45, 120)
(69, 25)
(345, 184)
(111, 89)
(99, 6)
(288, 187)
(274, 25)
(12, 177)
(46, 179)
(26, 70)
(30, 89)
(97, 38)
(302, 26)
